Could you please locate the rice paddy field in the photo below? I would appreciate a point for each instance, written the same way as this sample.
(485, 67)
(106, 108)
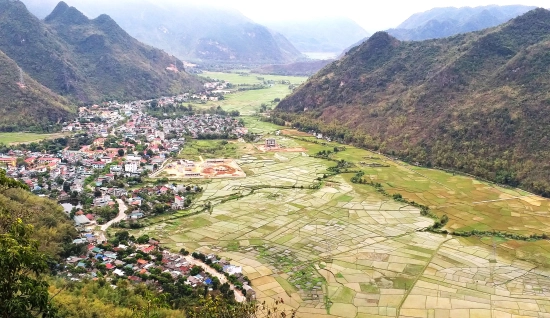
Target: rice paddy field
(332, 248)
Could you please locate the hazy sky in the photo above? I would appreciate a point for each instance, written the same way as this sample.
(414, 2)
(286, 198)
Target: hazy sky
(373, 15)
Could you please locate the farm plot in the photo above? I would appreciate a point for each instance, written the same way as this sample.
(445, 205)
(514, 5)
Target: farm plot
(332, 248)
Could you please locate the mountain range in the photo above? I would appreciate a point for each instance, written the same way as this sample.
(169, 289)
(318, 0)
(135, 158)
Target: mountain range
(86, 60)
(442, 22)
(477, 102)
(193, 32)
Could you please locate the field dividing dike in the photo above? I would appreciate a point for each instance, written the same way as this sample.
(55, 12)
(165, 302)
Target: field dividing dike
(408, 291)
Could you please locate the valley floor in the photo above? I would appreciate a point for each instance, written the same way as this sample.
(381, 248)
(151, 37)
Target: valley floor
(333, 248)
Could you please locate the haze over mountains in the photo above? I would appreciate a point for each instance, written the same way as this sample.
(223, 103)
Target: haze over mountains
(85, 60)
(329, 34)
(476, 102)
(192, 32)
(443, 22)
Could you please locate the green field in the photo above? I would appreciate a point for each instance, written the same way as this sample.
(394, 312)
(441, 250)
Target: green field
(208, 149)
(248, 102)
(20, 137)
(257, 126)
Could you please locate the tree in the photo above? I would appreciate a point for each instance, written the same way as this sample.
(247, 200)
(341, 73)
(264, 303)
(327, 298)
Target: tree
(9, 183)
(143, 239)
(21, 162)
(121, 152)
(23, 291)
(195, 270)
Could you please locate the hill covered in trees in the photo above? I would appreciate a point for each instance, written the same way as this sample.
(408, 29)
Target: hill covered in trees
(87, 60)
(476, 102)
(27, 103)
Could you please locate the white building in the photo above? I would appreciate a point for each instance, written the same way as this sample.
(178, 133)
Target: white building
(131, 167)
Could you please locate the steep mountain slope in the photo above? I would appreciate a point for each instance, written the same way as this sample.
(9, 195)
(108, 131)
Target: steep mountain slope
(443, 22)
(36, 49)
(30, 106)
(320, 35)
(196, 32)
(478, 102)
(87, 60)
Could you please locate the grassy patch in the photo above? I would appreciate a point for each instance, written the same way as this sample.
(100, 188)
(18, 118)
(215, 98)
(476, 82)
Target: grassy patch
(208, 149)
(343, 295)
(413, 269)
(9, 138)
(369, 288)
(402, 283)
(199, 223)
(233, 246)
(289, 289)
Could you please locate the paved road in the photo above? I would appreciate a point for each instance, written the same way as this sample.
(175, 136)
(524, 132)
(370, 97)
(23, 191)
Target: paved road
(239, 297)
(121, 215)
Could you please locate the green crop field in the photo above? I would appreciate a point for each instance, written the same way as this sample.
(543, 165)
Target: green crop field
(248, 102)
(208, 149)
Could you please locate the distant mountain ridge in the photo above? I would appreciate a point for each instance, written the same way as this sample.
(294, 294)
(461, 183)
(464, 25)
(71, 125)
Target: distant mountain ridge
(196, 33)
(329, 34)
(476, 102)
(442, 22)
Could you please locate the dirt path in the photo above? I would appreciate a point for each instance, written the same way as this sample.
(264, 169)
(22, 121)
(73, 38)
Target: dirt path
(408, 291)
(121, 215)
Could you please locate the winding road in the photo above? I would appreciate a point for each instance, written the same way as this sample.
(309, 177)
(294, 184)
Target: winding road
(122, 208)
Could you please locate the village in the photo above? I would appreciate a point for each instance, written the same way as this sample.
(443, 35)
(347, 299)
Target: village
(98, 174)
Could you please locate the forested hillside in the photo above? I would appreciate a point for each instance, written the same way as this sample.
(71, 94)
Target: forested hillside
(28, 104)
(87, 60)
(477, 102)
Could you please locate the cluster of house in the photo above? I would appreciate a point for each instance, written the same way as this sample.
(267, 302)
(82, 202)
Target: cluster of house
(111, 261)
(157, 130)
(140, 201)
(320, 136)
(65, 173)
(99, 165)
(212, 92)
